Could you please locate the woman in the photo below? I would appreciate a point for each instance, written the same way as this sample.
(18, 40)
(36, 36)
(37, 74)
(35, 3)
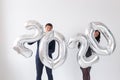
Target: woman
(86, 71)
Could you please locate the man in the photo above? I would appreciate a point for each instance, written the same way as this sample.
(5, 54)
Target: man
(51, 48)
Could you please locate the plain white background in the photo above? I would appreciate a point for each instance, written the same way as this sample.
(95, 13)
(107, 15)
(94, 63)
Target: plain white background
(68, 17)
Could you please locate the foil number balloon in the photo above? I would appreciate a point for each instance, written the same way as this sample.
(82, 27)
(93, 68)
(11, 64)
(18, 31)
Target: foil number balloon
(84, 45)
(89, 40)
(111, 44)
(86, 41)
(43, 53)
(19, 44)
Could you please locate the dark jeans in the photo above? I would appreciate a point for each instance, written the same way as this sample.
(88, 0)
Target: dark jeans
(39, 68)
(86, 73)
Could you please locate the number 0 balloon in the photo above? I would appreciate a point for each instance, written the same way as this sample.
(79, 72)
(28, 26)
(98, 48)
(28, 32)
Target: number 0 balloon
(111, 44)
(62, 51)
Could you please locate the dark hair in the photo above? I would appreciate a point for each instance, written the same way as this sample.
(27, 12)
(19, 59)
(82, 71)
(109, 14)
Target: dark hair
(98, 37)
(49, 24)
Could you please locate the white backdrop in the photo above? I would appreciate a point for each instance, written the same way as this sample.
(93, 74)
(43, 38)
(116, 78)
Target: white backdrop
(68, 17)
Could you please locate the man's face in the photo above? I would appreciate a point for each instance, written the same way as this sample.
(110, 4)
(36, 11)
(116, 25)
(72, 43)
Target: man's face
(48, 28)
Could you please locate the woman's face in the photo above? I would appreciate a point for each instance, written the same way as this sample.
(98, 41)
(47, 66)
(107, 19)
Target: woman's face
(96, 34)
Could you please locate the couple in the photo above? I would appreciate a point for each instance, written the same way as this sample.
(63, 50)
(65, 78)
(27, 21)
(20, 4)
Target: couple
(51, 48)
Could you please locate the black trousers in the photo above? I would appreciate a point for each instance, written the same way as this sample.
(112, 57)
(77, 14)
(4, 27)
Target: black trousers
(39, 68)
(86, 73)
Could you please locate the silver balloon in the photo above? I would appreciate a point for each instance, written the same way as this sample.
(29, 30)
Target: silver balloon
(73, 42)
(19, 44)
(84, 44)
(43, 49)
(111, 44)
